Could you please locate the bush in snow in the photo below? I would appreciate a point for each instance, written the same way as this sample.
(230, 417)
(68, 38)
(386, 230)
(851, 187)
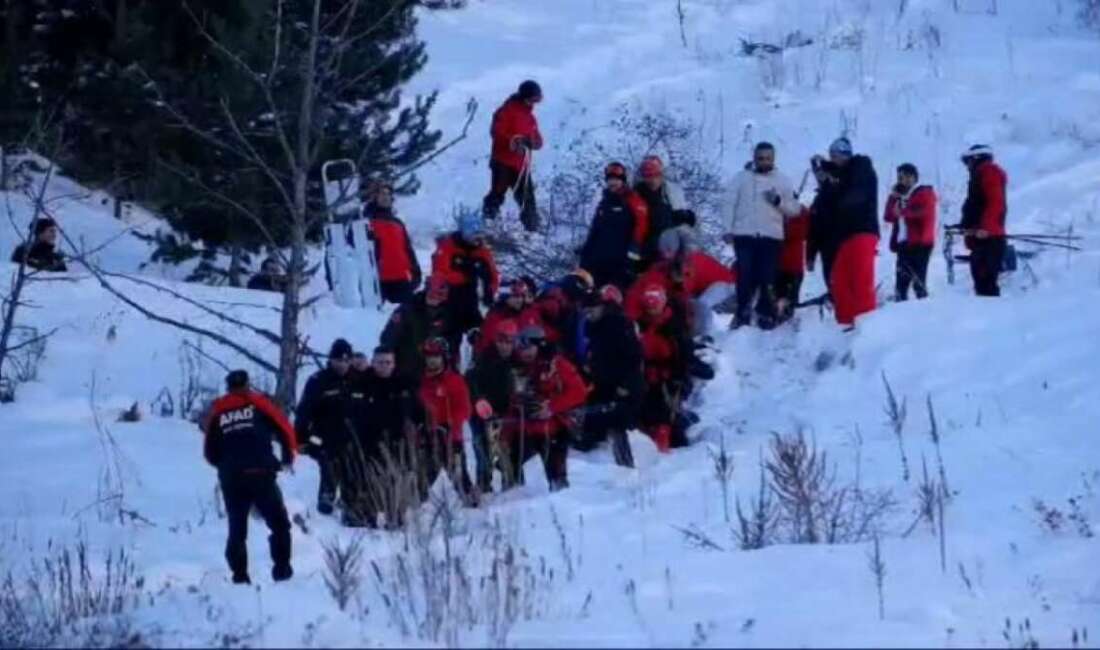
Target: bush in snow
(343, 569)
(65, 597)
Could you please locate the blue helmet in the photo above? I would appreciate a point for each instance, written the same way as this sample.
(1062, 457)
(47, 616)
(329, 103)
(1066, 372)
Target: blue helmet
(470, 225)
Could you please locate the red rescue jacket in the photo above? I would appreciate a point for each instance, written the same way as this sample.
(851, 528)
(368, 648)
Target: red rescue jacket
(446, 402)
(514, 119)
(986, 206)
(916, 214)
(499, 313)
(700, 271)
(392, 247)
(792, 256)
(453, 259)
(239, 428)
(556, 382)
(659, 348)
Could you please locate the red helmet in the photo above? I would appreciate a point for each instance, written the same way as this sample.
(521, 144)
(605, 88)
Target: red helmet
(651, 167)
(609, 293)
(435, 346)
(437, 287)
(507, 329)
(615, 170)
(655, 298)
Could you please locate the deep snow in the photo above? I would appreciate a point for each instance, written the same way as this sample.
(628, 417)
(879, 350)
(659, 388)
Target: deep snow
(1013, 380)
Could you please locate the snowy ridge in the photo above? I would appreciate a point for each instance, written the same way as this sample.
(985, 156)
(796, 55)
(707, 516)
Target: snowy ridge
(606, 562)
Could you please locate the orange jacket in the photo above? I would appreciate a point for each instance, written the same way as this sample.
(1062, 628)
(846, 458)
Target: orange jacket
(446, 401)
(514, 119)
(700, 271)
(454, 261)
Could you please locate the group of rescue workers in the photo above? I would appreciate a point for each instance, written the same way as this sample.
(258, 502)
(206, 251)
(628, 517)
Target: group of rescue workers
(579, 360)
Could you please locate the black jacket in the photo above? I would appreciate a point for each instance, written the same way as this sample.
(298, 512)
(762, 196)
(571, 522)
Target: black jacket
(328, 409)
(41, 257)
(413, 323)
(239, 429)
(388, 405)
(263, 282)
(610, 237)
(844, 208)
(662, 216)
(614, 355)
(492, 379)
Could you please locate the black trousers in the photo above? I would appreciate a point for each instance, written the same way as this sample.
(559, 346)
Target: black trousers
(398, 292)
(912, 270)
(788, 287)
(757, 263)
(465, 308)
(554, 451)
(504, 178)
(242, 491)
(986, 259)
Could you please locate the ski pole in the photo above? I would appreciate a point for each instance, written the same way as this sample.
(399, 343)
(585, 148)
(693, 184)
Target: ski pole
(1043, 242)
(1032, 236)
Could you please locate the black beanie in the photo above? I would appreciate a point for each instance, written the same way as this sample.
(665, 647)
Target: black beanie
(529, 89)
(340, 349)
(236, 380)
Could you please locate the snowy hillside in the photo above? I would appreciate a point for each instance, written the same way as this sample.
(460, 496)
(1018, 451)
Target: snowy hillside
(648, 557)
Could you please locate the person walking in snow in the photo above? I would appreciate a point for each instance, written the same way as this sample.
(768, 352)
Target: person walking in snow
(666, 205)
(41, 254)
(398, 269)
(911, 213)
(614, 366)
(983, 218)
(490, 380)
(445, 401)
(539, 420)
(326, 420)
(428, 315)
(612, 252)
(238, 431)
(515, 133)
(756, 205)
(466, 262)
(853, 225)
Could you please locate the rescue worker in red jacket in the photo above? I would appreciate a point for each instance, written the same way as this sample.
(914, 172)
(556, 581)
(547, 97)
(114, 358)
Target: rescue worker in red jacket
(983, 218)
(515, 306)
(238, 432)
(466, 261)
(445, 400)
(692, 279)
(612, 252)
(398, 269)
(665, 352)
(547, 389)
(792, 264)
(911, 212)
(516, 135)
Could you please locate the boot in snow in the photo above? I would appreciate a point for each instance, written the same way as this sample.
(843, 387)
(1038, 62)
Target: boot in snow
(281, 572)
(241, 579)
(620, 448)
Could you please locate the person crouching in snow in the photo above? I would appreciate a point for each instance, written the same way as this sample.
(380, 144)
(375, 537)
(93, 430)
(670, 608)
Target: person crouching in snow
(445, 400)
(665, 352)
(665, 202)
(238, 432)
(612, 252)
(398, 268)
(546, 389)
(466, 261)
(42, 253)
(911, 211)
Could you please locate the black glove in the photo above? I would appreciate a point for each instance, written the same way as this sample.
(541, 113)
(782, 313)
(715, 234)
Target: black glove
(684, 218)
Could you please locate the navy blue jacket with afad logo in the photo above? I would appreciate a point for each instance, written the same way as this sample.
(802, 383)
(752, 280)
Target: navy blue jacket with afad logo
(239, 430)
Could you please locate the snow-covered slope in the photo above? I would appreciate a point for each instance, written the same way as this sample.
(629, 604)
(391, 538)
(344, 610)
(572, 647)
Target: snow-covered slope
(606, 562)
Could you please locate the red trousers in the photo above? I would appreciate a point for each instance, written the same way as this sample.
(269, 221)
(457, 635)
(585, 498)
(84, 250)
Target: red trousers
(852, 281)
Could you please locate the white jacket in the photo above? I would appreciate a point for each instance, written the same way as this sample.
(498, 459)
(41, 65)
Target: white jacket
(747, 213)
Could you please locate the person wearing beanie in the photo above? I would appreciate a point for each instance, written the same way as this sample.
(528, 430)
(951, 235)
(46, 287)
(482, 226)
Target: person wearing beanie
(911, 213)
(666, 203)
(326, 423)
(41, 253)
(428, 314)
(983, 218)
(757, 204)
(237, 435)
(399, 272)
(614, 367)
(612, 250)
(844, 223)
(515, 134)
(466, 261)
